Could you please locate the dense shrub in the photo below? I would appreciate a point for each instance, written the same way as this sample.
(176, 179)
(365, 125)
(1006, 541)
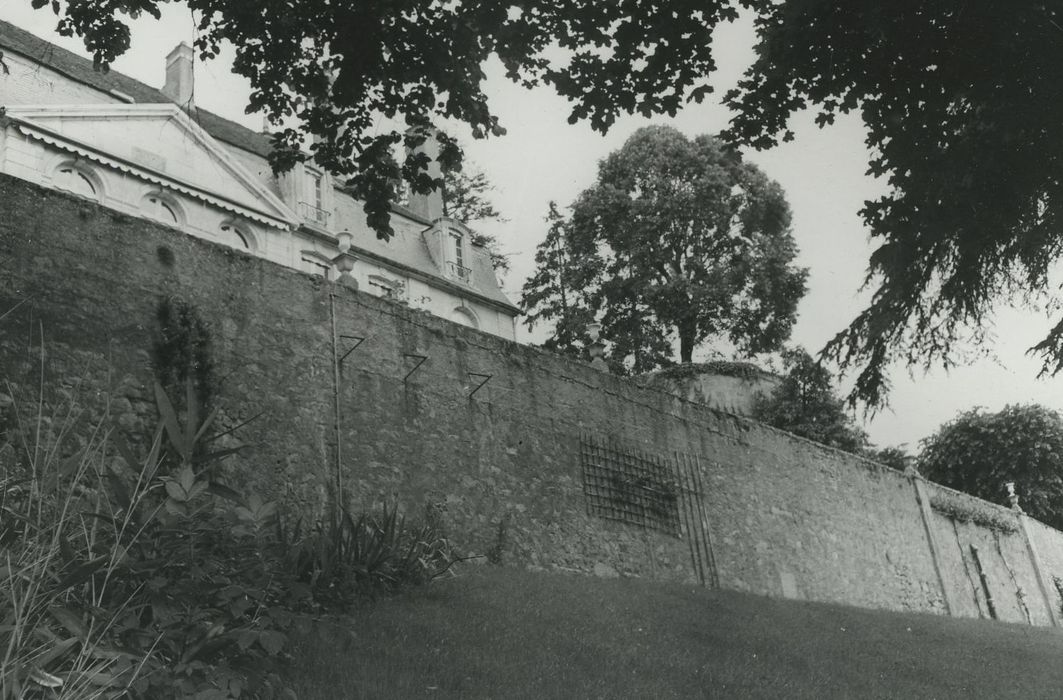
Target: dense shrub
(804, 403)
(980, 452)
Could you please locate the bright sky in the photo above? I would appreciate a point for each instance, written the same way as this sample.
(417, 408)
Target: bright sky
(543, 157)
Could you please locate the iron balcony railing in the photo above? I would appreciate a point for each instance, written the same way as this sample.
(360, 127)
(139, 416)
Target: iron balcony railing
(314, 215)
(460, 272)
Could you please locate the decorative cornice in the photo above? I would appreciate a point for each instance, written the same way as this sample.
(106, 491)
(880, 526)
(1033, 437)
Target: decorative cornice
(29, 121)
(438, 282)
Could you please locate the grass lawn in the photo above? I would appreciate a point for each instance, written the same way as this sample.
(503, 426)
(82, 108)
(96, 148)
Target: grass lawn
(503, 633)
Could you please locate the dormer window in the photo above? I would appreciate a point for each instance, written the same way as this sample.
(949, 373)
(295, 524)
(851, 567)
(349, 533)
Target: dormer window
(316, 190)
(457, 258)
(313, 204)
(448, 243)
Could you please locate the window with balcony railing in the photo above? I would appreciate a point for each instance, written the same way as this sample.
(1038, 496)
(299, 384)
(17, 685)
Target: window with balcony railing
(313, 214)
(459, 272)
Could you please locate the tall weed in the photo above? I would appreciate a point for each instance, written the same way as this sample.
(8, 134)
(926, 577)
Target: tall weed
(126, 577)
(147, 577)
(57, 563)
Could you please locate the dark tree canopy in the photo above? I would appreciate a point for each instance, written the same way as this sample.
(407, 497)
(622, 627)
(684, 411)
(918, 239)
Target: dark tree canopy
(805, 404)
(677, 241)
(979, 452)
(961, 103)
(961, 100)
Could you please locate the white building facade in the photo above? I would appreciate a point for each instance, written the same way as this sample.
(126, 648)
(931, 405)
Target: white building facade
(150, 153)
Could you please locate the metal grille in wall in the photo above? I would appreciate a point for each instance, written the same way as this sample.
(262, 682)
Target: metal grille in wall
(695, 517)
(629, 486)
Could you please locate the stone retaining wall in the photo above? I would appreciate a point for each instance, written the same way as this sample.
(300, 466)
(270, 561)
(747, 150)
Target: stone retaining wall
(489, 434)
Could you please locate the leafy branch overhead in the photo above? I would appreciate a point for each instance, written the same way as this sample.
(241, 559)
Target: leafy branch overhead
(960, 100)
(339, 67)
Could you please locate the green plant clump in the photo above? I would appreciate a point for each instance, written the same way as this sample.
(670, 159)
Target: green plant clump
(333, 562)
(973, 512)
(151, 579)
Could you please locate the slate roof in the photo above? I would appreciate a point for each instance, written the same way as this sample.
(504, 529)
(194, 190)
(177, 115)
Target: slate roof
(406, 248)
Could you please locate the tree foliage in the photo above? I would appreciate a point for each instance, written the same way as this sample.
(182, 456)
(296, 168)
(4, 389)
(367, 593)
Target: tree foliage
(895, 457)
(805, 404)
(960, 100)
(678, 240)
(465, 198)
(552, 293)
(340, 66)
(979, 452)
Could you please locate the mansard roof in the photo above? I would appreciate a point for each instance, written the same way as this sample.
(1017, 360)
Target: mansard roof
(408, 250)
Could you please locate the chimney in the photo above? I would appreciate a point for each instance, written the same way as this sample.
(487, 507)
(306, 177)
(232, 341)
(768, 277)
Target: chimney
(428, 206)
(180, 83)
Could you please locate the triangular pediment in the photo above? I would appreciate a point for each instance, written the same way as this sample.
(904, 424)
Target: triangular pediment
(161, 140)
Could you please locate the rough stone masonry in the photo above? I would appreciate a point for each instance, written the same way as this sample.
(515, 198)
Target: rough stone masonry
(485, 432)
